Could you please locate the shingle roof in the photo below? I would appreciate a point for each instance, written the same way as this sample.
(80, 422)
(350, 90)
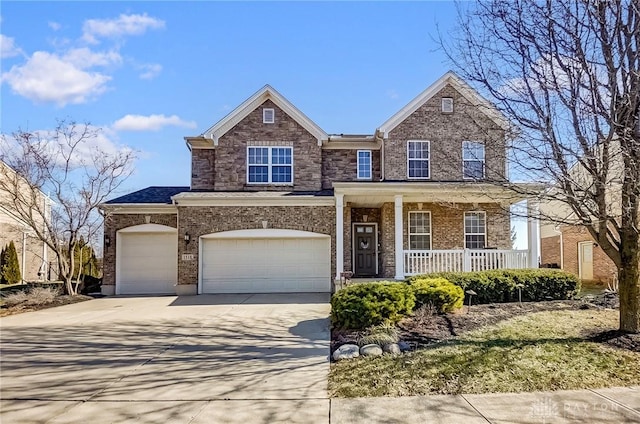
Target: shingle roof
(153, 194)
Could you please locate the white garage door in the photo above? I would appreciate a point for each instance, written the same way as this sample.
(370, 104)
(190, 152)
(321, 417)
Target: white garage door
(147, 263)
(276, 265)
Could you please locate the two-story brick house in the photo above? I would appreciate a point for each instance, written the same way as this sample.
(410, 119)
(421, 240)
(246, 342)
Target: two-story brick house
(278, 205)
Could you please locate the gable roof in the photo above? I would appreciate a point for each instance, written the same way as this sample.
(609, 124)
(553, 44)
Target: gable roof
(153, 194)
(265, 93)
(463, 88)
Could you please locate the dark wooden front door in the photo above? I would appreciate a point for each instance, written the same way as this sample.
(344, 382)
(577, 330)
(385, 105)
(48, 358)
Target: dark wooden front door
(364, 241)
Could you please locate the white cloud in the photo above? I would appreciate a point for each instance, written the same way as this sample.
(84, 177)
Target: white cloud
(84, 58)
(8, 47)
(123, 25)
(46, 77)
(99, 141)
(54, 25)
(150, 123)
(150, 71)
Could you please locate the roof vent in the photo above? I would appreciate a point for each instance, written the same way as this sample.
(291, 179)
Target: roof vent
(268, 116)
(447, 105)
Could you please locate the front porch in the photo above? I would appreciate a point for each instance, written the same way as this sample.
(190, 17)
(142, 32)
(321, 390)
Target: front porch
(395, 230)
(464, 260)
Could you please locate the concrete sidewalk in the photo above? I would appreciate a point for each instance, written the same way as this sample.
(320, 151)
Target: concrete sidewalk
(613, 405)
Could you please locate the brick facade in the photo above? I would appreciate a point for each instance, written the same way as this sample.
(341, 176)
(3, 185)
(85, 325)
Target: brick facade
(115, 222)
(231, 153)
(340, 165)
(446, 132)
(603, 267)
(447, 229)
(199, 221)
(203, 169)
(223, 167)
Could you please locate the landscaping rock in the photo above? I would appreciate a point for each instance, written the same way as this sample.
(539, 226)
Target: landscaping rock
(392, 348)
(346, 351)
(371, 350)
(404, 346)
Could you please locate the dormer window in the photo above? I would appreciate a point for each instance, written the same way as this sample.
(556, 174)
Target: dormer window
(447, 105)
(268, 116)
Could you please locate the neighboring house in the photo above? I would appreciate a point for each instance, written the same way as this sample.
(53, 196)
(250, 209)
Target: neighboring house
(573, 249)
(278, 205)
(33, 254)
(566, 244)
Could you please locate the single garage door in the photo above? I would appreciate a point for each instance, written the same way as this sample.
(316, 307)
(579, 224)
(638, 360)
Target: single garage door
(147, 262)
(266, 265)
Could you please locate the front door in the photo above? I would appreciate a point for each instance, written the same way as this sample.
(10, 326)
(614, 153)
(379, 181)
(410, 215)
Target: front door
(586, 260)
(365, 247)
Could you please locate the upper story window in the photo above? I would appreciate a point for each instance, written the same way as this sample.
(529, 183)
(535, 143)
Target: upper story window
(447, 105)
(418, 153)
(419, 230)
(475, 230)
(268, 116)
(473, 160)
(364, 164)
(270, 165)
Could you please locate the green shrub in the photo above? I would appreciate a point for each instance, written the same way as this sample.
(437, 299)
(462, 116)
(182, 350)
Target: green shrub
(497, 286)
(439, 292)
(10, 269)
(366, 304)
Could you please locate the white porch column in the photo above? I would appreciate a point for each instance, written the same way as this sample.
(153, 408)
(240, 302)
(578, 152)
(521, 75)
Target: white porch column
(533, 231)
(339, 235)
(398, 238)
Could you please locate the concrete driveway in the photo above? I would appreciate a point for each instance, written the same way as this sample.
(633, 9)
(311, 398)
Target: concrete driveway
(200, 359)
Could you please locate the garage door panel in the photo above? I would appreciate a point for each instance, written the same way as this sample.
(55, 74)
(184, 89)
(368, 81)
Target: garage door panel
(147, 263)
(266, 265)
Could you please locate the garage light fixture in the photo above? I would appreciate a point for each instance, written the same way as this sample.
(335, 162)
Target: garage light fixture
(187, 238)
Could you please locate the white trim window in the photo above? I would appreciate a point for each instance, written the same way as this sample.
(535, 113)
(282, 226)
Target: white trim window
(473, 160)
(270, 165)
(418, 159)
(268, 115)
(475, 230)
(364, 164)
(419, 230)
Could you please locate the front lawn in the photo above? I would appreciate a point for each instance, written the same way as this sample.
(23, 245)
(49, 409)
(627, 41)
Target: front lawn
(550, 350)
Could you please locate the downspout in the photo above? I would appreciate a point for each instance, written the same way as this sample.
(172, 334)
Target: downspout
(24, 253)
(557, 230)
(381, 157)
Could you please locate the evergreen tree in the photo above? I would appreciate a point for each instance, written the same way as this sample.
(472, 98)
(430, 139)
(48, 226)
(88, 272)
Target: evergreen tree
(11, 266)
(3, 259)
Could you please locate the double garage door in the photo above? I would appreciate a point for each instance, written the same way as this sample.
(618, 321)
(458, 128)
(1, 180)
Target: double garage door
(243, 261)
(267, 265)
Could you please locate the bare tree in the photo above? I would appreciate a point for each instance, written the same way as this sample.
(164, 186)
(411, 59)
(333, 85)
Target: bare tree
(567, 75)
(54, 182)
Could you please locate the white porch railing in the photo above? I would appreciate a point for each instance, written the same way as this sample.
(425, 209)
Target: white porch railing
(427, 261)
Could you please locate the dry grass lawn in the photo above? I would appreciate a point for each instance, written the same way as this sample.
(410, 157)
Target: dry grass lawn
(549, 350)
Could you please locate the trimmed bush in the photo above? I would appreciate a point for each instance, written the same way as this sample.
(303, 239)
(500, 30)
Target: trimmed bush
(366, 304)
(498, 286)
(439, 292)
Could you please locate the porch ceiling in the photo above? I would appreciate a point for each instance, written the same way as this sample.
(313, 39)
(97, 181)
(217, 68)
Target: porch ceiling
(376, 193)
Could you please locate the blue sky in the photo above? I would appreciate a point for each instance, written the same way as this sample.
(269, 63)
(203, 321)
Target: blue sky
(179, 67)
(150, 73)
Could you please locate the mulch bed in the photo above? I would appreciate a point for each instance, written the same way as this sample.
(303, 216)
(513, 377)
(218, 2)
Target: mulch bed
(58, 301)
(423, 331)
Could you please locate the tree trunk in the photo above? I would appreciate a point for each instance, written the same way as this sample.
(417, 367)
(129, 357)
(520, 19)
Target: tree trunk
(629, 290)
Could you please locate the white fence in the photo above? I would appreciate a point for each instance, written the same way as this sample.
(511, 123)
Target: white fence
(427, 261)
